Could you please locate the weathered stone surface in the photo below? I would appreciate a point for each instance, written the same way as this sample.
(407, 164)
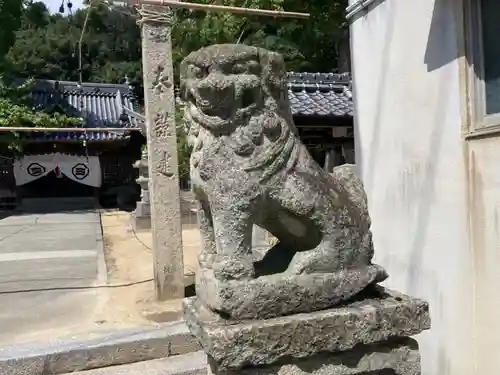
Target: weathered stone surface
(397, 356)
(143, 182)
(261, 242)
(277, 295)
(141, 218)
(142, 166)
(108, 349)
(249, 167)
(376, 315)
(143, 209)
(159, 105)
(141, 223)
(346, 176)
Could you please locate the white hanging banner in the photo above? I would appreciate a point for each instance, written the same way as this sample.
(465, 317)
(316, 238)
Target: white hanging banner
(82, 169)
(32, 167)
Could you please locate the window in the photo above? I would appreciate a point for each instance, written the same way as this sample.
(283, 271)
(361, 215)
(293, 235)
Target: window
(485, 57)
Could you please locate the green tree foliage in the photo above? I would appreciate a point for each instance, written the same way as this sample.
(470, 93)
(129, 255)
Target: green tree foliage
(183, 150)
(17, 110)
(16, 106)
(307, 45)
(10, 21)
(47, 45)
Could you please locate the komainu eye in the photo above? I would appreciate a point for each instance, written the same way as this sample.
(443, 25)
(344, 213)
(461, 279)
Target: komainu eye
(196, 72)
(248, 98)
(253, 67)
(239, 69)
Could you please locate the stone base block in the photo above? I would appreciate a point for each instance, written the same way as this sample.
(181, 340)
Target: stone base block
(281, 294)
(143, 209)
(398, 356)
(376, 315)
(141, 222)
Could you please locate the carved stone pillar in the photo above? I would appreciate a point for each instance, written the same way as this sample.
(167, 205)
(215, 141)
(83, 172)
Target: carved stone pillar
(159, 103)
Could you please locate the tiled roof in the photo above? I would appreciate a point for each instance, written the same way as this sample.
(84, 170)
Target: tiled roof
(320, 94)
(104, 105)
(100, 105)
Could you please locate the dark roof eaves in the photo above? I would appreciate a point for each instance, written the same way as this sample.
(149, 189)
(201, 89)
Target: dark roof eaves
(326, 78)
(331, 115)
(61, 93)
(309, 87)
(73, 87)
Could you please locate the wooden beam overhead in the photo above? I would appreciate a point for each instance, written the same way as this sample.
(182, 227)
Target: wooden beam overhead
(222, 8)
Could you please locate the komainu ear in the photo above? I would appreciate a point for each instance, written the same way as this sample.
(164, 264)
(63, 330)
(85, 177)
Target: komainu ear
(273, 72)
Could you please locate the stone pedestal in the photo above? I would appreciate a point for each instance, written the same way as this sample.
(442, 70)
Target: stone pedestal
(369, 335)
(398, 356)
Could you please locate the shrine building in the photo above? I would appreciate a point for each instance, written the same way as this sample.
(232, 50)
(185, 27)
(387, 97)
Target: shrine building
(94, 164)
(99, 164)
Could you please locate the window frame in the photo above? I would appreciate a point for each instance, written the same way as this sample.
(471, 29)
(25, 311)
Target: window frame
(481, 121)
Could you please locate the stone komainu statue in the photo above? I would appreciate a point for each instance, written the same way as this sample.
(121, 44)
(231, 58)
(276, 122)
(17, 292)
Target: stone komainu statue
(248, 166)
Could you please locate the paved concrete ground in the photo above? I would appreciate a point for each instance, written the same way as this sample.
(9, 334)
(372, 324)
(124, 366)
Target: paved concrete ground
(187, 364)
(130, 260)
(49, 251)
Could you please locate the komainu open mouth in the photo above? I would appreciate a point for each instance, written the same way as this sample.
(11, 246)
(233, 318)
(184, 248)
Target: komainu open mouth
(205, 120)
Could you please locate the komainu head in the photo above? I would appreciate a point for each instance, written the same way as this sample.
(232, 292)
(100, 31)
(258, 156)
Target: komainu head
(229, 86)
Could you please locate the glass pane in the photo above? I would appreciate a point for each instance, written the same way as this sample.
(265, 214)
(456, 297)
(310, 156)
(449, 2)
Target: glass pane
(490, 10)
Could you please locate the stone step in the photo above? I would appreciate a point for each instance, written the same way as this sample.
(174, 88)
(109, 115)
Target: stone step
(42, 205)
(186, 364)
(113, 348)
(7, 203)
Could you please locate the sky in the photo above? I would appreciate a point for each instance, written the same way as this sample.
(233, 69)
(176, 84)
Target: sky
(54, 5)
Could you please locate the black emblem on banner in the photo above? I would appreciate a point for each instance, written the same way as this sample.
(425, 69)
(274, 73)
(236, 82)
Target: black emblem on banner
(35, 169)
(80, 171)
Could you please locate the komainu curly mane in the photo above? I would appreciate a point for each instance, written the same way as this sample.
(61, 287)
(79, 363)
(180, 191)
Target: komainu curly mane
(246, 106)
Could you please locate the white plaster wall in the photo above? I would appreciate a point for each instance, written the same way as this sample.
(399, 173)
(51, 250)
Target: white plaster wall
(412, 160)
(484, 182)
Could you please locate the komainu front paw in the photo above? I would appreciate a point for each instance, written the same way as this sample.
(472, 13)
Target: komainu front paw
(229, 268)
(314, 261)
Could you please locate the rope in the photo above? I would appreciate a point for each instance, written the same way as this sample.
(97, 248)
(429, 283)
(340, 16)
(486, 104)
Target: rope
(148, 15)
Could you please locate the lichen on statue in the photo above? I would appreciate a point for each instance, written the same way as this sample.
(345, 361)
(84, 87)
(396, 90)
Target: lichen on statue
(248, 166)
